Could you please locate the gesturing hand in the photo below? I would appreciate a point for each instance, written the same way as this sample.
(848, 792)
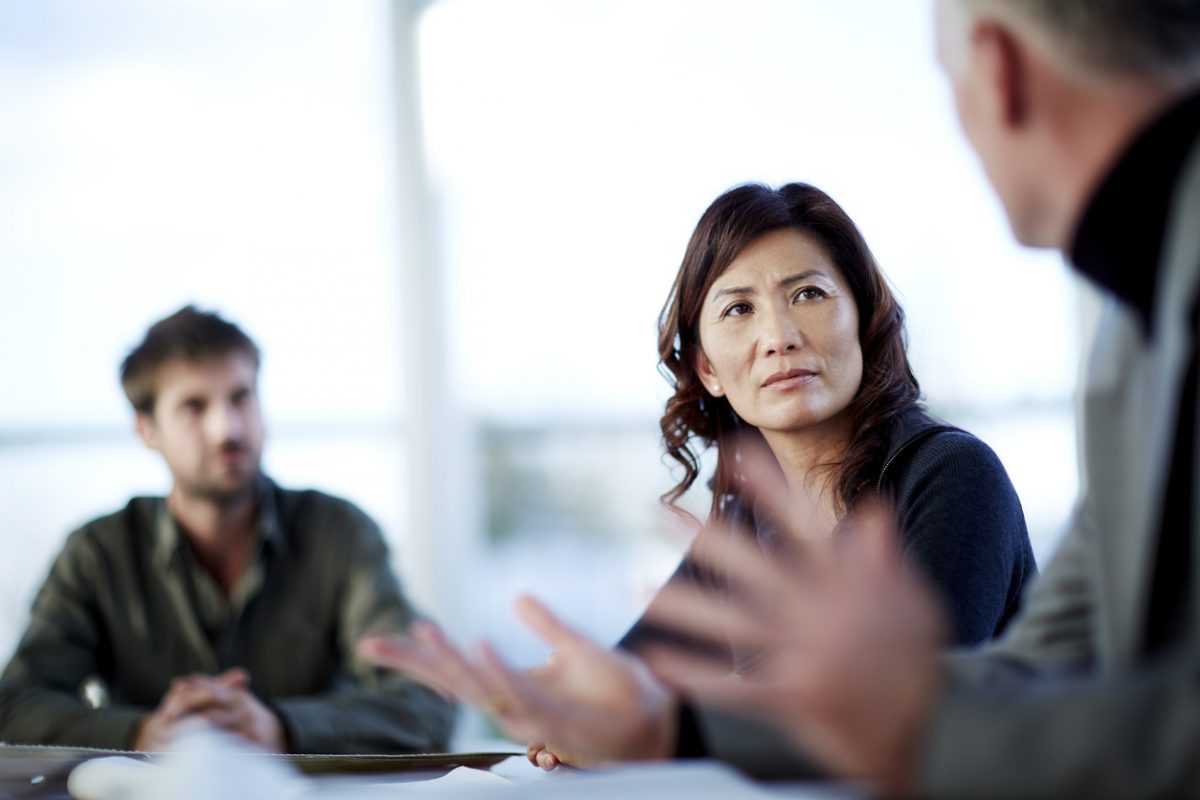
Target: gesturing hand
(600, 704)
(853, 635)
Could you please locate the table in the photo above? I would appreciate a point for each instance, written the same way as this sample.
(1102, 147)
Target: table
(210, 766)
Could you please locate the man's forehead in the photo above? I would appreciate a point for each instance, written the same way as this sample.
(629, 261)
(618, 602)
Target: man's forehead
(213, 374)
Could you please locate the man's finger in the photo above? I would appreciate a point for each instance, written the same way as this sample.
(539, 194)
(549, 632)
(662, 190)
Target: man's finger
(741, 562)
(706, 680)
(388, 651)
(682, 670)
(703, 615)
(513, 702)
(767, 488)
(230, 719)
(454, 669)
(763, 476)
(235, 678)
(869, 541)
(193, 696)
(542, 621)
(411, 658)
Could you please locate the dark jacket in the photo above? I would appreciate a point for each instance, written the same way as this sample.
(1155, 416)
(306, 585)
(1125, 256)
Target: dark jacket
(126, 604)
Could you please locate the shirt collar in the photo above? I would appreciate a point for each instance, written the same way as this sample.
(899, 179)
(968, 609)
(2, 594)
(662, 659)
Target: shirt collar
(167, 535)
(1118, 243)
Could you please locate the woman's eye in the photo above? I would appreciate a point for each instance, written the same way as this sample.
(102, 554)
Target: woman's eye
(737, 309)
(810, 293)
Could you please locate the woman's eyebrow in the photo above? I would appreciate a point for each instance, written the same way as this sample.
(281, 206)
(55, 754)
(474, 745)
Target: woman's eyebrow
(803, 276)
(733, 290)
(788, 281)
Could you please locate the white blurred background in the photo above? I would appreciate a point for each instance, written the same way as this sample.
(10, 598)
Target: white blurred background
(450, 226)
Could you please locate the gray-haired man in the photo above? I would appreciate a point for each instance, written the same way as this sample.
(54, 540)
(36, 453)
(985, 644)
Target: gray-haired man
(1086, 118)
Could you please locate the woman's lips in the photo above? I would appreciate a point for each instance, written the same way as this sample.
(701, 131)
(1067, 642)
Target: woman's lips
(788, 379)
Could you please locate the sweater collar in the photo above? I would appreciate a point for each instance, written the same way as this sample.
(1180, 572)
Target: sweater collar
(1118, 243)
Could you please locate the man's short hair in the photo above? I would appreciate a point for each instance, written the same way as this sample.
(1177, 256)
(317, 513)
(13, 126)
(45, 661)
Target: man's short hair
(1159, 38)
(188, 335)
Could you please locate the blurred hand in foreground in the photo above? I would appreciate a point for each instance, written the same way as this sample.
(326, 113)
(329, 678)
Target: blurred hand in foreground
(854, 636)
(550, 678)
(599, 705)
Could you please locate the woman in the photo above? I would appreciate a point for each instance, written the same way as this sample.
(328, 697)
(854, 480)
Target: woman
(780, 329)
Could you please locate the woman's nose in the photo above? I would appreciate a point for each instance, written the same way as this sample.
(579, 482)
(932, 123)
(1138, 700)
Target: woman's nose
(780, 334)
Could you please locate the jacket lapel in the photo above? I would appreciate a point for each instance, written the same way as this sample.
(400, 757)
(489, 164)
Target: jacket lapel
(1129, 418)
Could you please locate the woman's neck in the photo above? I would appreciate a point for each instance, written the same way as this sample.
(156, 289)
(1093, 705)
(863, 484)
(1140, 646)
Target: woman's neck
(804, 458)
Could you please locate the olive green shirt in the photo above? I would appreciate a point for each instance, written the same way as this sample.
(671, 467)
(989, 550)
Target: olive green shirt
(127, 604)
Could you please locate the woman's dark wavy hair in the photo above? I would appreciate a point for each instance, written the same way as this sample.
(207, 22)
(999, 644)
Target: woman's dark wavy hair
(888, 389)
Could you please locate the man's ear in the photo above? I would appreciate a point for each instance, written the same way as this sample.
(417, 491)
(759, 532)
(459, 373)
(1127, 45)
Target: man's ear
(1001, 61)
(143, 423)
(707, 376)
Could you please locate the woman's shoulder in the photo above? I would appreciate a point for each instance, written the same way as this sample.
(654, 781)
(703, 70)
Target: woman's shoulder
(923, 449)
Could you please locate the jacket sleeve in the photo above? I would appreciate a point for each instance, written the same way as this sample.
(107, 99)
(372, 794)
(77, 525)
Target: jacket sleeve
(40, 700)
(1036, 713)
(963, 530)
(1106, 735)
(749, 744)
(371, 710)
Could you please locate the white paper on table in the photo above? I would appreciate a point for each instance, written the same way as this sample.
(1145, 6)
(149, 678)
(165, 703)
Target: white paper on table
(208, 765)
(692, 779)
(460, 781)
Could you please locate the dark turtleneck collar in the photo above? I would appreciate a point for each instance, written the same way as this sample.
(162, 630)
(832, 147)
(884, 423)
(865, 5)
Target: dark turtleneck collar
(1118, 243)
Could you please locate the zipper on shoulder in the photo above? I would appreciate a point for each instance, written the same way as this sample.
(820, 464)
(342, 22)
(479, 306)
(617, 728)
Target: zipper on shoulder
(912, 440)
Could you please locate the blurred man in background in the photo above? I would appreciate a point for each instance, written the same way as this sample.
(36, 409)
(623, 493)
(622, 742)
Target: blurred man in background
(232, 600)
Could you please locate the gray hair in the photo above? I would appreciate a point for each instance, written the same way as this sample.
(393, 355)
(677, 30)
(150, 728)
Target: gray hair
(1159, 38)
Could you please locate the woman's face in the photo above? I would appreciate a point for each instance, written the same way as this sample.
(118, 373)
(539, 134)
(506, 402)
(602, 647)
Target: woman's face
(779, 335)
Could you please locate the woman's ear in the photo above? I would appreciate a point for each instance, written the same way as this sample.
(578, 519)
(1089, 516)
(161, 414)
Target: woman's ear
(707, 376)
